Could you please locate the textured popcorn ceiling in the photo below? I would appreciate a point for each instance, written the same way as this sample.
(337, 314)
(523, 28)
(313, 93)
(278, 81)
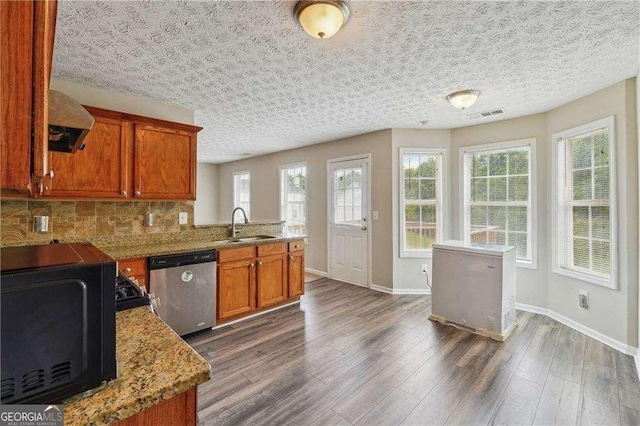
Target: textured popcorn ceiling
(259, 84)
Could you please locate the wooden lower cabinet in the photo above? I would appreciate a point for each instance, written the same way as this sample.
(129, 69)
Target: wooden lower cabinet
(236, 288)
(135, 268)
(180, 410)
(296, 273)
(272, 280)
(257, 277)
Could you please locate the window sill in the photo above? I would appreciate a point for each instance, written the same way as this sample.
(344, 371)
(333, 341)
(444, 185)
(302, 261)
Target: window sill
(416, 255)
(592, 279)
(526, 265)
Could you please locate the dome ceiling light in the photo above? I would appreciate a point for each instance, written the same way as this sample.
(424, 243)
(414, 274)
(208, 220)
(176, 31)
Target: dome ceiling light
(463, 99)
(321, 18)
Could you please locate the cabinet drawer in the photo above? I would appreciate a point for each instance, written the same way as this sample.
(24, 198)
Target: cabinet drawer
(232, 254)
(269, 249)
(296, 245)
(133, 267)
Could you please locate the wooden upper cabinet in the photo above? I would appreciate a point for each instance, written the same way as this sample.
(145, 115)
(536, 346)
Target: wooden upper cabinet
(100, 170)
(26, 47)
(164, 163)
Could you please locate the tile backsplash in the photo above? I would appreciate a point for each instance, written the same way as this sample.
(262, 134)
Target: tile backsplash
(88, 220)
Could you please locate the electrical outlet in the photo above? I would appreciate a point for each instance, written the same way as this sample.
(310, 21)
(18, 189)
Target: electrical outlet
(424, 269)
(183, 218)
(583, 299)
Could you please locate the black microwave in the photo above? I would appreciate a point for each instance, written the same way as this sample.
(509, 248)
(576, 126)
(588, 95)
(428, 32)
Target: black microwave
(57, 305)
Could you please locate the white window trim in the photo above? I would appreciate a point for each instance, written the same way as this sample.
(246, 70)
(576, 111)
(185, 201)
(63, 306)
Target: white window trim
(306, 196)
(611, 283)
(532, 217)
(441, 193)
(243, 172)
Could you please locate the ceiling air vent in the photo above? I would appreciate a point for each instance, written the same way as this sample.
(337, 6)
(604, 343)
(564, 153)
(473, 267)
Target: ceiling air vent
(486, 114)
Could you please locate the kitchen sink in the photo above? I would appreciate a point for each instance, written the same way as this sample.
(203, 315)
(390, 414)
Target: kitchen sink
(247, 239)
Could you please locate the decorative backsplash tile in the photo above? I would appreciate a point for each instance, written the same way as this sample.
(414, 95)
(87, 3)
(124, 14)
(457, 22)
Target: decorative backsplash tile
(112, 223)
(88, 220)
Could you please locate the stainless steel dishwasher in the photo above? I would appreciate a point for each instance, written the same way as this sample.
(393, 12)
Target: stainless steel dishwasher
(185, 289)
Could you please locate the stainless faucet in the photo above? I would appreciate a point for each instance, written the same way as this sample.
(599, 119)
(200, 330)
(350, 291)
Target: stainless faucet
(234, 231)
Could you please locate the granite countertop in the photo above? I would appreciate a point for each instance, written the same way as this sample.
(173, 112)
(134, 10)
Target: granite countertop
(130, 251)
(154, 364)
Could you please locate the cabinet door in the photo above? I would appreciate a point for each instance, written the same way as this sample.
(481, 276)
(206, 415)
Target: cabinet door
(236, 288)
(100, 169)
(135, 268)
(16, 49)
(164, 163)
(296, 273)
(272, 280)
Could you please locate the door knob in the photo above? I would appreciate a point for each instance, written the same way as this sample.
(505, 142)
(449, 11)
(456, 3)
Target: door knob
(364, 228)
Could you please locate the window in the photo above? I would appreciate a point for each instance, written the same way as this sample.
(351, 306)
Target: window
(293, 198)
(242, 193)
(498, 193)
(585, 208)
(421, 200)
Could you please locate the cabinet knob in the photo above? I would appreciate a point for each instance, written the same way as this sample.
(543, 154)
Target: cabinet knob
(296, 246)
(127, 270)
(50, 174)
(259, 263)
(137, 193)
(124, 193)
(291, 257)
(251, 265)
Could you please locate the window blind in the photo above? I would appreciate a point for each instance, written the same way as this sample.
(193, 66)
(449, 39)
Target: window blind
(584, 192)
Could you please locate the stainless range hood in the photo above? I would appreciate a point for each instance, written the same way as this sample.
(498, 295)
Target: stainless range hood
(69, 123)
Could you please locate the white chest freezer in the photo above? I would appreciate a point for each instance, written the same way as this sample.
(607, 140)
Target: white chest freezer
(474, 286)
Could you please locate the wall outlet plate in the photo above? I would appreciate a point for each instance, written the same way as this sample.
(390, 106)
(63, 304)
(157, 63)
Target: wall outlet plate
(183, 218)
(583, 299)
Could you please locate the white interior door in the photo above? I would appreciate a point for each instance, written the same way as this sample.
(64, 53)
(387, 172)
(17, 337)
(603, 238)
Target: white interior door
(348, 221)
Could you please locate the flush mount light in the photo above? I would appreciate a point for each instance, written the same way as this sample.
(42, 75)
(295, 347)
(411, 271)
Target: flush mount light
(321, 18)
(463, 99)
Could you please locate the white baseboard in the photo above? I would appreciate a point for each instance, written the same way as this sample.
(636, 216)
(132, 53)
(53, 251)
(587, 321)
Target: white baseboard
(381, 288)
(637, 358)
(613, 343)
(388, 290)
(316, 272)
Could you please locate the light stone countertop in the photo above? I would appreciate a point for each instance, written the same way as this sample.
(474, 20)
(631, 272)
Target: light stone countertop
(154, 364)
(133, 251)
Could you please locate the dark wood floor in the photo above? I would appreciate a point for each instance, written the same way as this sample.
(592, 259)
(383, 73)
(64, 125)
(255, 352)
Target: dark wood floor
(349, 355)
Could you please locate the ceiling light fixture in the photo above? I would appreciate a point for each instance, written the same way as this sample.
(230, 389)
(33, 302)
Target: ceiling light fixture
(321, 18)
(463, 99)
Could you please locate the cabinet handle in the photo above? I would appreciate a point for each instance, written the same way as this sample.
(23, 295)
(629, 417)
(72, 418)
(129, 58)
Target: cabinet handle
(259, 263)
(137, 193)
(124, 193)
(127, 269)
(50, 174)
(291, 257)
(251, 265)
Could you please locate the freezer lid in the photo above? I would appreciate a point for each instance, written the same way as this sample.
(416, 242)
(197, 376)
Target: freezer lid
(468, 247)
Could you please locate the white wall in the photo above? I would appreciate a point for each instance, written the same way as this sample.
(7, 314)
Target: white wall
(532, 283)
(265, 194)
(611, 312)
(407, 273)
(122, 102)
(205, 208)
